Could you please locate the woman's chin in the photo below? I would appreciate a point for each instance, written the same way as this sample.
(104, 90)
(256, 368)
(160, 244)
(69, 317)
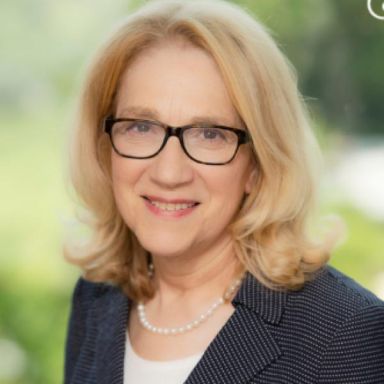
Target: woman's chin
(164, 253)
(164, 242)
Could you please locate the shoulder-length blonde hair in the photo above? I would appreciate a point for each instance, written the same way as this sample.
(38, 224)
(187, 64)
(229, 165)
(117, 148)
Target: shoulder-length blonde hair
(269, 231)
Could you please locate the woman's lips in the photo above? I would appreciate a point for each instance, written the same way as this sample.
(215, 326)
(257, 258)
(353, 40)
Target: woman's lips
(170, 201)
(178, 207)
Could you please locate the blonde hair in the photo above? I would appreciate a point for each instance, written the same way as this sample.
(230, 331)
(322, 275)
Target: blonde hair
(270, 229)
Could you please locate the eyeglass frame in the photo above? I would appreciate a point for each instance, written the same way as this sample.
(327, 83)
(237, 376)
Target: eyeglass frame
(242, 136)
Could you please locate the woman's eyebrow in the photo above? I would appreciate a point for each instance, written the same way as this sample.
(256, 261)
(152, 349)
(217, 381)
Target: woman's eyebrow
(139, 112)
(152, 114)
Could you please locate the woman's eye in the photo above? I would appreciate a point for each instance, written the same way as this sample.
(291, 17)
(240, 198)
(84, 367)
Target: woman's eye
(212, 134)
(133, 127)
(141, 127)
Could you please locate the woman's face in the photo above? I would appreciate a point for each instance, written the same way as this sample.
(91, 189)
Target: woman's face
(178, 84)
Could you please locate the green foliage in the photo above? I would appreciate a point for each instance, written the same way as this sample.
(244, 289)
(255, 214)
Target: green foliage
(361, 254)
(35, 283)
(336, 47)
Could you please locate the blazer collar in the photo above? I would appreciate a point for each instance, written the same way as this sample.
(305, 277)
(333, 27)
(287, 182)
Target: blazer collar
(269, 304)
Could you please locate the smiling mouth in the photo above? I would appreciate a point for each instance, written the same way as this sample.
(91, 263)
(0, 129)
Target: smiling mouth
(171, 207)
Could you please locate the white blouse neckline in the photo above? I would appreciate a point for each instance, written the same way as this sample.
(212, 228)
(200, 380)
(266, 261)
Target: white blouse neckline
(165, 364)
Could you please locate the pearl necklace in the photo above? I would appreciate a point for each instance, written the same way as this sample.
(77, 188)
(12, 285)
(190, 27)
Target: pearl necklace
(193, 324)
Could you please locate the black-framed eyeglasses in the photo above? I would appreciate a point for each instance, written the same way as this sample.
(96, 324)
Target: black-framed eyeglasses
(205, 144)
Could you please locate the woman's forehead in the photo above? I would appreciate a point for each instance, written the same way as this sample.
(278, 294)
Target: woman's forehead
(178, 79)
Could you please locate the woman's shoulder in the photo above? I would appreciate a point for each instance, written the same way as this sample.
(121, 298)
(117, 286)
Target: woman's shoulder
(330, 314)
(328, 300)
(334, 305)
(94, 303)
(339, 315)
(338, 292)
(89, 289)
(86, 293)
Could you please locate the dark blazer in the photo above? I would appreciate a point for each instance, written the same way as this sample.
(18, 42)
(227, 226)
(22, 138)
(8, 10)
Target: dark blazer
(331, 331)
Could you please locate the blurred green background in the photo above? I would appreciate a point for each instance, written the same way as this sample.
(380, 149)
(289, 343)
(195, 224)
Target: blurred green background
(337, 49)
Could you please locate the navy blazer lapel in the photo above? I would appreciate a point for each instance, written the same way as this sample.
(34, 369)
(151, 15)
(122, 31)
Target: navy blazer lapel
(244, 346)
(113, 312)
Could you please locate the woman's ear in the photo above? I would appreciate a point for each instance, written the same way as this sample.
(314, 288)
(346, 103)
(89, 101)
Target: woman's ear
(251, 180)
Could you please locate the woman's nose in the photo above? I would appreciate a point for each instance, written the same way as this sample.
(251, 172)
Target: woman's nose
(171, 167)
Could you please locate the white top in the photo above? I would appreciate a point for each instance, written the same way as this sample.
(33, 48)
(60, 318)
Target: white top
(141, 371)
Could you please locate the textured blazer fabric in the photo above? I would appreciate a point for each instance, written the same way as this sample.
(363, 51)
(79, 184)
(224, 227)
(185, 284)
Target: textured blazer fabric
(331, 331)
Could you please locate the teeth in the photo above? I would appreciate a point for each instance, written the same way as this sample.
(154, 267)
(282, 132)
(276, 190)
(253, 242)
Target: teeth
(171, 207)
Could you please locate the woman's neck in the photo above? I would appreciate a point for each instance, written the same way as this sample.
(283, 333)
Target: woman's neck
(201, 277)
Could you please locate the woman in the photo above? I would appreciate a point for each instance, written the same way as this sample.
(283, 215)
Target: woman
(193, 154)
